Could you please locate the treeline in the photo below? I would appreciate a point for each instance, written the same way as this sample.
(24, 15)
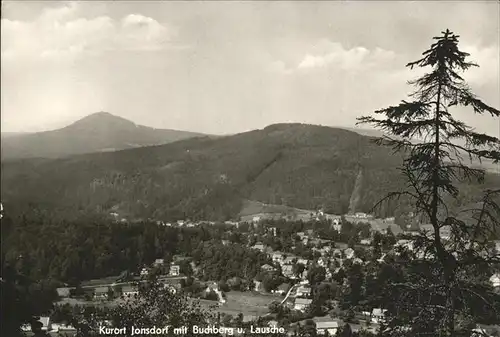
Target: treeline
(72, 251)
(222, 262)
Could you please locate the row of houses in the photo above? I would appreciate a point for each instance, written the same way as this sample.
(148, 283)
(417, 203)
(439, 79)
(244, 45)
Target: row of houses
(103, 293)
(327, 254)
(330, 326)
(127, 291)
(48, 326)
(173, 271)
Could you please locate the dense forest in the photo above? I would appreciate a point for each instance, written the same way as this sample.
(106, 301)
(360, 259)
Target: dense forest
(303, 166)
(89, 248)
(93, 247)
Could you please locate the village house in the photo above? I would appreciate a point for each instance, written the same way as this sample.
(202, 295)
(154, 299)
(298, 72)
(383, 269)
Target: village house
(101, 293)
(277, 256)
(330, 327)
(46, 325)
(349, 253)
(305, 262)
(303, 291)
(259, 246)
(366, 242)
(411, 233)
(63, 292)
(60, 327)
(357, 260)
(174, 270)
(337, 224)
(495, 280)
(130, 291)
(225, 242)
(301, 304)
(258, 285)
(287, 271)
(378, 315)
(144, 271)
(268, 268)
(211, 287)
(158, 263)
(444, 231)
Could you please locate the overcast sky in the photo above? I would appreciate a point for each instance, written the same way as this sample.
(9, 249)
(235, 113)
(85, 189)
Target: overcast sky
(225, 67)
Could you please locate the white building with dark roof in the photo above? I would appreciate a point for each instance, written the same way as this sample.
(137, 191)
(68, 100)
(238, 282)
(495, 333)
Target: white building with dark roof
(329, 326)
(378, 315)
(301, 304)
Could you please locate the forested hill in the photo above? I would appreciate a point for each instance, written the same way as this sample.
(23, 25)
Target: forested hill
(97, 132)
(298, 165)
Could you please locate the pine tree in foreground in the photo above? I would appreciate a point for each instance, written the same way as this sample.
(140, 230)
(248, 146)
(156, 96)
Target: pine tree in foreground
(446, 290)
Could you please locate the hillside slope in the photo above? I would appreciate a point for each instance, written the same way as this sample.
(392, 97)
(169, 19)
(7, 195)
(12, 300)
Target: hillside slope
(98, 132)
(303, 166)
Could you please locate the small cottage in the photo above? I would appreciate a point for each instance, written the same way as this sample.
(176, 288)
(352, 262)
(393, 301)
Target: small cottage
(301, 304)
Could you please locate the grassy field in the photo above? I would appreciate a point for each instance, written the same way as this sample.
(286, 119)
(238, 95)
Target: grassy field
(268, 211)
(248, 303)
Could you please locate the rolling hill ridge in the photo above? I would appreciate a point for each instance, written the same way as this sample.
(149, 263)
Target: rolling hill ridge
(303, 166)
(98, 132)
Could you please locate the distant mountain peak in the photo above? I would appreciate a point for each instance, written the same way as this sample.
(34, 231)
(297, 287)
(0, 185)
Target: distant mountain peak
(102, 121)
(100, 116)
(98, 132)
(102, 113)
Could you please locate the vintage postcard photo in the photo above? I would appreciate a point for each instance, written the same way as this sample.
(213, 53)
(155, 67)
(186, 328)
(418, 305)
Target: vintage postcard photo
(250, 168)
